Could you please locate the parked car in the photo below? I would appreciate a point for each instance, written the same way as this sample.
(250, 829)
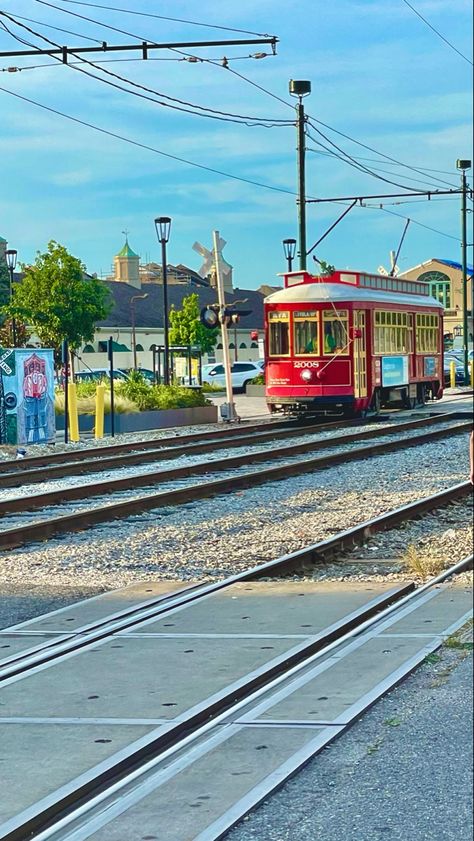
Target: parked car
(447, 370)
(98, 374)
(241, 372)
(147, 373)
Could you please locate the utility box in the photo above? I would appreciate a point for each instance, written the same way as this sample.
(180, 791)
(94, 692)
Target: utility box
(27, 396)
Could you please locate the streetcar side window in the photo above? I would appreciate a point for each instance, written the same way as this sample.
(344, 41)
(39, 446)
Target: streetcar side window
(392, 332)
(427, 330)
(306, 334)
(279, 333)
(335, 335)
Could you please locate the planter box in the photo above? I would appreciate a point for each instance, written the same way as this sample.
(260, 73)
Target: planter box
(141, 421)
(255, 391)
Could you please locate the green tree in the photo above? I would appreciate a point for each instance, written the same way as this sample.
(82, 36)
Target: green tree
(186, 327)
(57, 300)
(4, 285)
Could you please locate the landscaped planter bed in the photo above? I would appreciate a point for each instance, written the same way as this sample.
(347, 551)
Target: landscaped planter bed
(158, 419)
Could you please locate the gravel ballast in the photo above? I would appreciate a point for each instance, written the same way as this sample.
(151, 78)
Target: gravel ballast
(213, 538)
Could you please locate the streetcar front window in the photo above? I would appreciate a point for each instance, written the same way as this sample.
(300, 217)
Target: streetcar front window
(279, 333)
(336, 340)
(306, 338)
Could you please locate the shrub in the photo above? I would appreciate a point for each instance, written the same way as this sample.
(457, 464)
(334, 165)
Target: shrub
(260, 380)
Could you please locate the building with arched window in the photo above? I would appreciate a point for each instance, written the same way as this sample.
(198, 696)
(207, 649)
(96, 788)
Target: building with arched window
(444, 278)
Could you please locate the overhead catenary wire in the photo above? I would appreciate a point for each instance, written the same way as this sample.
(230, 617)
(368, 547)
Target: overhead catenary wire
(184, 106)
(166, 17)
(329, 153)
(437, 32)
(215, 171)
(140, 145)
(280, 99)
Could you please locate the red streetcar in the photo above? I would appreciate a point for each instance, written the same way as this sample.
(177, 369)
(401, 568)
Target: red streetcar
(350, 343)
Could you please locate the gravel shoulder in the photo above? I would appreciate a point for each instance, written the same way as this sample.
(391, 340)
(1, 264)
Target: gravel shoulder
(404, 771)
(211, 538)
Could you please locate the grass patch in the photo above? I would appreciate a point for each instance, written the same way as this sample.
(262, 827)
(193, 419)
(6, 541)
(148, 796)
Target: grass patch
(432, 659)
(374, 747)
(392, 722)
(422, 566)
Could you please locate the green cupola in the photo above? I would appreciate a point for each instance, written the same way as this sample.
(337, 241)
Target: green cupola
(127, 265)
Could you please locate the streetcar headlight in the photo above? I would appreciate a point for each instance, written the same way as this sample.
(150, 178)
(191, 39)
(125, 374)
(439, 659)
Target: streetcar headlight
(306, 375)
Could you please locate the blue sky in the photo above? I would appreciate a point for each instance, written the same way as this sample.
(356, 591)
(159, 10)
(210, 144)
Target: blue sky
(378, 75)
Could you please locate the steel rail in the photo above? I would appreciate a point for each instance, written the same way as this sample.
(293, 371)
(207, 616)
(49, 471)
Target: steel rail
(111, 484)
(97, 453)
(18, 475)
(297, 561)
(78, 521)
(110, 783)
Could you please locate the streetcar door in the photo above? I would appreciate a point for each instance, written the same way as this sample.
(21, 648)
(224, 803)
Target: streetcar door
(360, 356)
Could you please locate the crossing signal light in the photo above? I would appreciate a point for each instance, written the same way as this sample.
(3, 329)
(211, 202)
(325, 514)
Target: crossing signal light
(213, 315)
(210, 317)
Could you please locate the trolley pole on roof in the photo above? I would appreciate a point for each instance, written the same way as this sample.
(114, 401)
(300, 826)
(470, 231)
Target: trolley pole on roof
(301, 89)
(463, 165)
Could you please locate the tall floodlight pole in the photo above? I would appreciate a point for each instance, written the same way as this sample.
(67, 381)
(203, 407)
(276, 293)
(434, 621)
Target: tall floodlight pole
(301, 89)
(463, 165)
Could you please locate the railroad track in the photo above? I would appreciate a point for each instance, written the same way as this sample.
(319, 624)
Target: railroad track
(27, 531)
(136, 777)
(91, 459)
(295, 562)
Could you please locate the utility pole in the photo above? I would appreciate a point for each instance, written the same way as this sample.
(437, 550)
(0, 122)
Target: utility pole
(463, 165)
(229, 412)
(301, 89)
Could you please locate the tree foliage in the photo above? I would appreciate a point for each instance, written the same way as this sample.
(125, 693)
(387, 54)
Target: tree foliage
(186, 327)
(4, 285)
(6, 334)
(58, 300)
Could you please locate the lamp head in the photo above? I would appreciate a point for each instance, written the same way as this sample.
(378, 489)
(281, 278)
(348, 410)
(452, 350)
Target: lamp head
(163, 226)
(299, 88)
(289, 248)
(463, 164)
(10, 257)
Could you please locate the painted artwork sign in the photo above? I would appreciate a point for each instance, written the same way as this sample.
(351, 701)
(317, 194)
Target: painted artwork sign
(27, 389)
(394, 370)
(430, 366)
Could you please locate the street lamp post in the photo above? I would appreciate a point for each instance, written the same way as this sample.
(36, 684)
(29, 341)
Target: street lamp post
(463, 165)
(133, 319)
(10, 257)
(289, 248)
(163, 225)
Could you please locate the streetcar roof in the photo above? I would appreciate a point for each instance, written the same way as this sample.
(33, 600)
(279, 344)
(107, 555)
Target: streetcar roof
(318, 293)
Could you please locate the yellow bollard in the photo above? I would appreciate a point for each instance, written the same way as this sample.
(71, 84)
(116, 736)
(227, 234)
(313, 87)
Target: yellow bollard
(72, 411)
(452, 373)
(99, 410)
(471, 366)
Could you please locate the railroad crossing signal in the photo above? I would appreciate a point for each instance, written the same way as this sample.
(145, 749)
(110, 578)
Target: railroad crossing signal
(213, 315)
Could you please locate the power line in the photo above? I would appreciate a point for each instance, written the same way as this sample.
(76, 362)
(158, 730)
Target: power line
(165, 17)
(371, 149)
(59, 29)
(436, 31)
(352, 162)
(144, 145)
(211, 113)
(136, 143)
(331, 154)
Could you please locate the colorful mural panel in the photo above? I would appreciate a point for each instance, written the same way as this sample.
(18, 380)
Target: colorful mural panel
(27, 396)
